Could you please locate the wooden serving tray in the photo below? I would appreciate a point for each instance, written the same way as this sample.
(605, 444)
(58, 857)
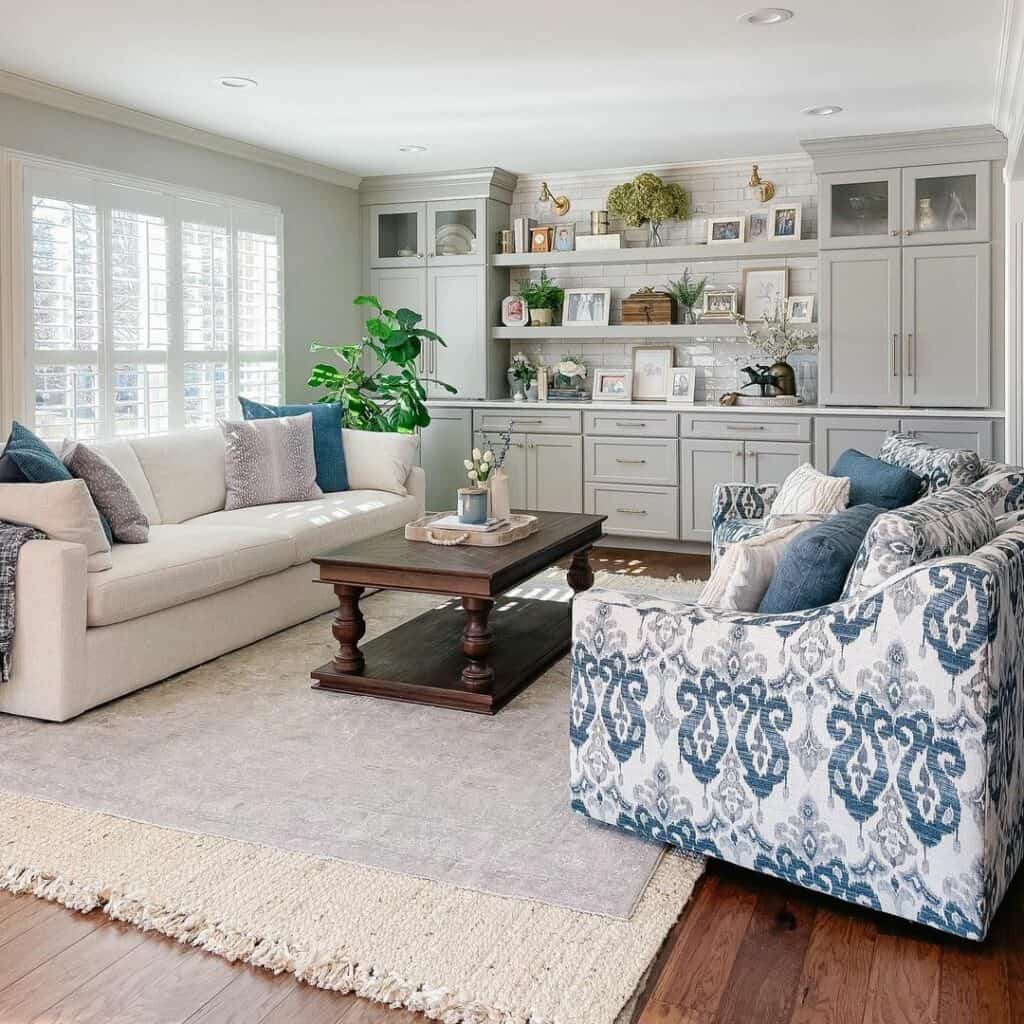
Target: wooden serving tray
(520, 527)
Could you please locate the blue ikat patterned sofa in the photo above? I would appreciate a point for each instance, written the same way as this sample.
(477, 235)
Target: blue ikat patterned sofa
(872, 749)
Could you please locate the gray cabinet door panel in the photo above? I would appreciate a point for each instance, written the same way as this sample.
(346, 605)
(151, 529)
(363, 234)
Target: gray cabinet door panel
(703, 465)
(554, 472)
(859, 327)
(635, 511)
(444, 443)
(770, 462)
(402, 287)
(974, 435)
(456, 301)
(631, 460)
(947, 325)
(834, 434)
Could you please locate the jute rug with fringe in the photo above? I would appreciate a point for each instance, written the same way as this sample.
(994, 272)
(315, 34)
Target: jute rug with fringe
(454, 953)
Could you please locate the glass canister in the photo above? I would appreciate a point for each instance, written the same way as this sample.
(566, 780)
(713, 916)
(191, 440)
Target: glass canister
(473, 505)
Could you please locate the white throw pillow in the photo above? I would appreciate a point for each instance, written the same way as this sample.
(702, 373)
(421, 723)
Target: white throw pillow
(63, 510)
(806, 490)
(378, 462)
(742, 574)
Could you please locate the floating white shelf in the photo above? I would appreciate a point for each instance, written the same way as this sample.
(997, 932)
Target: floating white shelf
(676, 331)
(768, 249)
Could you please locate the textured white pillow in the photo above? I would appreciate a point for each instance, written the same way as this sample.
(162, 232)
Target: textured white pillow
(63, 510)
(806, 490)
(743, 573)
(378, 462)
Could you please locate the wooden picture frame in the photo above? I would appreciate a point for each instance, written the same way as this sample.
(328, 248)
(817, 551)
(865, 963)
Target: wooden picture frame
(612, 385)
(540, 239)
(721, 305)
(564, 238)
(651, 366)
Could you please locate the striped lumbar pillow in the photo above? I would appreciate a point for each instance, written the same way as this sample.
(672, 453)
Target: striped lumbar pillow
(806, 490)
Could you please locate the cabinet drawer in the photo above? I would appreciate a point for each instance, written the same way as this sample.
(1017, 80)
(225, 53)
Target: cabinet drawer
(974, 435)
(630, 460)
(527, 421)
(635, 511)
(765, 428)
(623, 424)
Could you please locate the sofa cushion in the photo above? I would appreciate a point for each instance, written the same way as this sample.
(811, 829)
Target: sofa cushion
(185, 472)
(874, 482)
(328, 449)
(937, 467)
(182, 562)
(813, 569)
(326, 523)
(806, 490)
(379, 461)
(953, 521)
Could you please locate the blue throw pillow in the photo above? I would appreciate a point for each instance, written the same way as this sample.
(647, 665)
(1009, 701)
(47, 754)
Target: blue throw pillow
(873, 482)
(813, 569)
(328, 450)
(9, 472)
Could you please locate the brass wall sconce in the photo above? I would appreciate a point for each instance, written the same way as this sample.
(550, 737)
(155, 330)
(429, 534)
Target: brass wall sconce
(765, 189)
(560, 203)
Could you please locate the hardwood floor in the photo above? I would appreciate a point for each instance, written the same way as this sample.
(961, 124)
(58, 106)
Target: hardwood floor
(747, 950)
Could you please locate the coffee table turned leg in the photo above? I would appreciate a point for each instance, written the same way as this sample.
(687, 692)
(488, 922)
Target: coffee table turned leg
(580, 576)
(477, 643)
(348, 629)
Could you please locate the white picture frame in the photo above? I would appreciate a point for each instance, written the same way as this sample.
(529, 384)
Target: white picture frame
(514, 312)
(800, 309)
(759, 226)
(586, 307)
(611, 385)
(765, 289)
(651, 366)
(564, 238)
(720, 305)
(726, 230)
(785, 221)
(682, 382)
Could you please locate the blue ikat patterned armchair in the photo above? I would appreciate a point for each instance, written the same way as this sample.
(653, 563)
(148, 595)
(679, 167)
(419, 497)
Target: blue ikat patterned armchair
(872, 749)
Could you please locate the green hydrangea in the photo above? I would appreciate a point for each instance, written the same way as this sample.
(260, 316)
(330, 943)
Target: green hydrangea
(648, 198)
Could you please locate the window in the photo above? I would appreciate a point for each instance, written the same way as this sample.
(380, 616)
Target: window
(149, 310)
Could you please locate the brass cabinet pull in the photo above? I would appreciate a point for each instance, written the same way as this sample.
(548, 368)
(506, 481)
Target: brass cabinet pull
(895, 354)
(516, 420)
(632, 462)
(745, 426)
(631, 423)
(633, 511)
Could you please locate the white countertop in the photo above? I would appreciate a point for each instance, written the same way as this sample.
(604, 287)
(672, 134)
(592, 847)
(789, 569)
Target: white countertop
(714, 407)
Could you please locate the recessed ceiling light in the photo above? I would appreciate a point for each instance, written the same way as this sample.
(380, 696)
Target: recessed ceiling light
(412, 149)
(825, 111)
(766, 16)
(234, 82)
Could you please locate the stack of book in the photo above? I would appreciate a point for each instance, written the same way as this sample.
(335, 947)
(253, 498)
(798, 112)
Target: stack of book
(452, 522)
(521, 227)
(567, 395)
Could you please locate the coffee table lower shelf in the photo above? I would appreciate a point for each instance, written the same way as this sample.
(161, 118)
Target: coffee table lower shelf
(421, 661)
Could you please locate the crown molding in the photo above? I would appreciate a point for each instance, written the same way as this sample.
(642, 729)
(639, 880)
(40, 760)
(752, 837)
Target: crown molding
(1008, 102)
(935, 145)
(475, 182)
(89, 106)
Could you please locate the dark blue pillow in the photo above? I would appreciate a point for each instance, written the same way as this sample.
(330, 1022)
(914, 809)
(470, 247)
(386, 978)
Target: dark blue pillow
(813, 569)
(35, 460)
(328, 450)
(9, 472)
(873, 482)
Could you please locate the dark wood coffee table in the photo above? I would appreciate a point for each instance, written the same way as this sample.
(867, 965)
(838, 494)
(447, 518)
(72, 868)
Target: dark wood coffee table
(449, 657)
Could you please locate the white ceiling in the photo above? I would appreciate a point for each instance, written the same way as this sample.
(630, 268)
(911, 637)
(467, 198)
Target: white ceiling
(531, 86)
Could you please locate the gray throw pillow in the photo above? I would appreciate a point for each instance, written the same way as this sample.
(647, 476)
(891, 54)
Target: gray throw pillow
(267, 461)
(110, 492)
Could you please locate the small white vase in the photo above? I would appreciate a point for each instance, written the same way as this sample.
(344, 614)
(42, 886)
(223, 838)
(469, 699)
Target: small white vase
(498, 486)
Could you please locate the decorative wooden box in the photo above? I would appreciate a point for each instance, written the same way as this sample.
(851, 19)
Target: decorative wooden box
(648, 307)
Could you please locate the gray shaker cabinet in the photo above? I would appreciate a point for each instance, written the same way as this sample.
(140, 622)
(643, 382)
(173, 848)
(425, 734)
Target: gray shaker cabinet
(444, 444)
(704, 464)
(834, 434)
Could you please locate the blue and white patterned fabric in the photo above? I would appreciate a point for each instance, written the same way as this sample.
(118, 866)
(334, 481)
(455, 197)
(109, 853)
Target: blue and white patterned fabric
(1004, 485)
(937, 467)
(738, 513)
(872, 749)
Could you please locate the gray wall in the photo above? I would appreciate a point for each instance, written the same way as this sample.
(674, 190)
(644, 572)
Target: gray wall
(322, 255)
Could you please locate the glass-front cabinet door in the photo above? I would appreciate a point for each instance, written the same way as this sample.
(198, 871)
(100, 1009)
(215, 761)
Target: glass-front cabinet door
(859, 210)
(947, 203)
(455, 232)
(397, 235)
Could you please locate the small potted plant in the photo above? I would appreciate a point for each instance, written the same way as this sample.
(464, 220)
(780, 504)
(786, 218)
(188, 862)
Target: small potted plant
(521, 375)
(542, 298)
(687, 292)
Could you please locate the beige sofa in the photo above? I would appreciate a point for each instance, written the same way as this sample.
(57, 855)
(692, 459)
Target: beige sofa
(208, 581)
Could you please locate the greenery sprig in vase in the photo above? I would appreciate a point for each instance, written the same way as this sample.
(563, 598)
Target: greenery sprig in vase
(392, 397)
(543, 298)
(649, 200)
(688, 293)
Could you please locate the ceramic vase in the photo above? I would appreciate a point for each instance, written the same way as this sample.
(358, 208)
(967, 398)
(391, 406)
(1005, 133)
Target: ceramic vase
(540, 317)
(498, 488)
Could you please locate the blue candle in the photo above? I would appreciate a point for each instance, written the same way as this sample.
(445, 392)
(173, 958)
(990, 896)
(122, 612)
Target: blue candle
(472, 505)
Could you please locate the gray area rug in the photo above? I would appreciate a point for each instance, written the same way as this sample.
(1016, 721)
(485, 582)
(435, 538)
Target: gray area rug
(242, 748)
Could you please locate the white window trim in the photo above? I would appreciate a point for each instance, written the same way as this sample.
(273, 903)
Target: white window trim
(16, 362)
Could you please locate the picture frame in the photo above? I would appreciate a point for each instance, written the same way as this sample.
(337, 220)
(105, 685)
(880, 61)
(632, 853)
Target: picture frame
(784, 221)
(564, 238)
(758, 226)
(800, 309)
(720, 305)
(540, 239)
(726, 229)
(651, 366)
(612, 385)
(682, 381)
(514, 312)
(764, 291)
(586, 307)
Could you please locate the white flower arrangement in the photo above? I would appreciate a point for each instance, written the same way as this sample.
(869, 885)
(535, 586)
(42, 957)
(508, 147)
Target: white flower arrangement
(776, 337)
(480, 466)
(570, 367)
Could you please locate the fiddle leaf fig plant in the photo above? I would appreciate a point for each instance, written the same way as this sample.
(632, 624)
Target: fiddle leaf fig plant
(392, 397)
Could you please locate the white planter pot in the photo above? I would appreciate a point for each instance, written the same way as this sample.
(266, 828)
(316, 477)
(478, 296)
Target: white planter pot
(540, 318)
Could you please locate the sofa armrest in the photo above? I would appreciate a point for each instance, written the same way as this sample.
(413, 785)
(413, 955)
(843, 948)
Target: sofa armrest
(48, 664)
(416, 485)
(1004, 486)
(741, 501)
